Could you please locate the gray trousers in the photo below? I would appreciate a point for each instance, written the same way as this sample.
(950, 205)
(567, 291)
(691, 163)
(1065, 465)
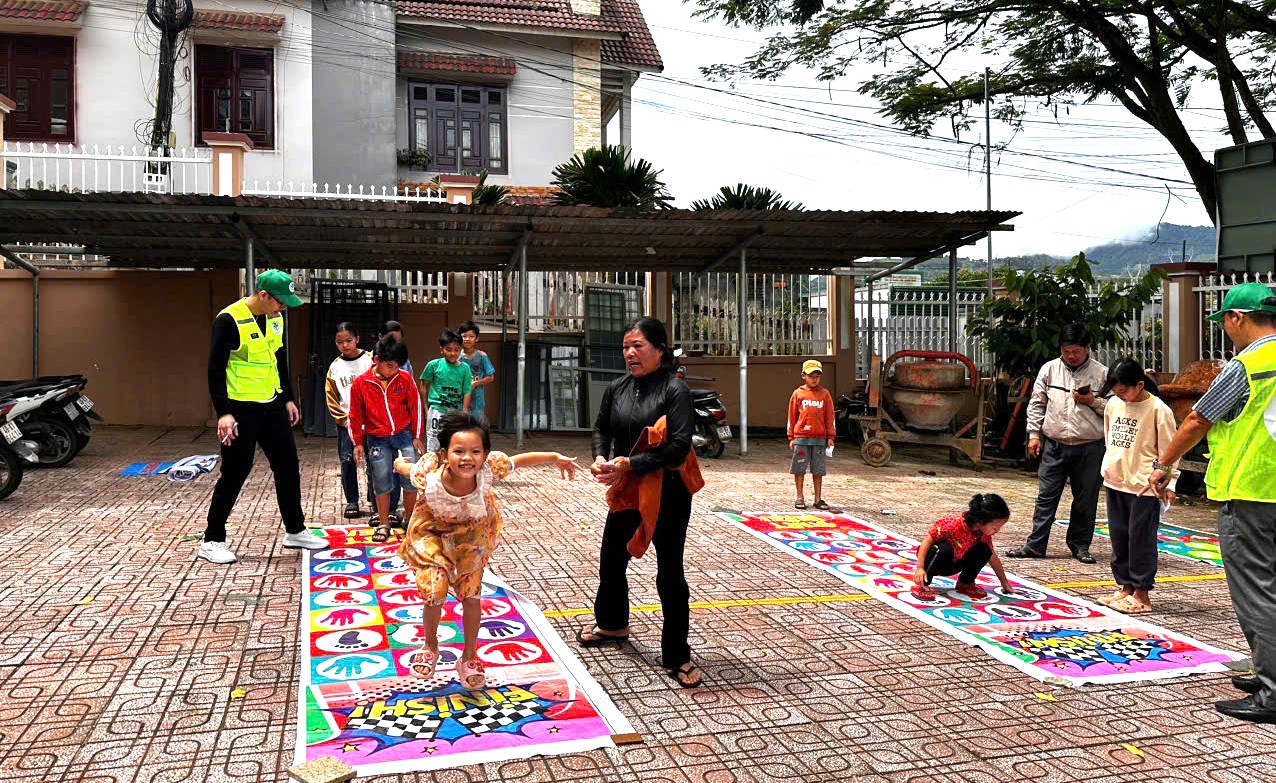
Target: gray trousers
(1061, 464)
(1247, 538)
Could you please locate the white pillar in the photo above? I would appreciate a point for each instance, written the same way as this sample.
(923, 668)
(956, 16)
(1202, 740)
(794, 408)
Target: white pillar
(627, 111)
(744, 353)
(250, 271)
(522, 345)
(952, 300)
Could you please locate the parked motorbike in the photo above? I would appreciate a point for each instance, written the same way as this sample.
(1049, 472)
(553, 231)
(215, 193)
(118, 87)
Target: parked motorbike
(710, 430)
(38, 408)
(13, 452)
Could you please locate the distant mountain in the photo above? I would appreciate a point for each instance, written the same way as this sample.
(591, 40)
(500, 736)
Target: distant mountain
(1155, 247)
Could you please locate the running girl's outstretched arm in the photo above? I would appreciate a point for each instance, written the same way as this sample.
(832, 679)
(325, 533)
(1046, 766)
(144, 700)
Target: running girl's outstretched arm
(530, 459)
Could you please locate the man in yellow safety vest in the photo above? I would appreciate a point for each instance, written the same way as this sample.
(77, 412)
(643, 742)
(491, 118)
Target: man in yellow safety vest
(1239, 415)
(248, 381)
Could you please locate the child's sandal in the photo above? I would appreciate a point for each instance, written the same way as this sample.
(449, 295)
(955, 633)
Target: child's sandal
(923, 592)
(381, 534)
(470, 673)
(1130, 605)
(425, 662)
(1108, 600)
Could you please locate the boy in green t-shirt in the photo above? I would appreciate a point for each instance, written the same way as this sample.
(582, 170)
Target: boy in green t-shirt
(445, 385)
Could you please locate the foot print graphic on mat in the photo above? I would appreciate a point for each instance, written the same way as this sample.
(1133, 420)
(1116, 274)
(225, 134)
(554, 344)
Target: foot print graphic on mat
(349, 641)
(352, 667)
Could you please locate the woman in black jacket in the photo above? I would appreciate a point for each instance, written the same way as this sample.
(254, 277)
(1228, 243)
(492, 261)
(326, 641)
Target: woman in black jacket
(636, 401)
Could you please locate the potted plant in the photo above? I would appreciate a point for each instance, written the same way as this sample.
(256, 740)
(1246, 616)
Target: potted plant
(417, 158)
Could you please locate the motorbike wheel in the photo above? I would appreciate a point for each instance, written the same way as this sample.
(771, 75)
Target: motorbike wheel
(10, 472)
(714, 447)
(59, 445)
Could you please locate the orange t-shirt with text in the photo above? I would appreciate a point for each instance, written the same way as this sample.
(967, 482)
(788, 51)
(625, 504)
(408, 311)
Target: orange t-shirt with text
(811, 413)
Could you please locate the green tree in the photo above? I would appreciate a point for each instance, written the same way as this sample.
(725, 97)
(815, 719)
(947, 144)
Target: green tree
(1148, 55)
(608, 178)
(1022, 328)
(745, 197)
(968, 276)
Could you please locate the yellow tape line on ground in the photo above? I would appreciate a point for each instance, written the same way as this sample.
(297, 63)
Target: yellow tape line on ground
(841, 598)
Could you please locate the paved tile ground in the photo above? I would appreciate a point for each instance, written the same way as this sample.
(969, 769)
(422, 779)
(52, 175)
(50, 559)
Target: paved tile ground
(121, 651)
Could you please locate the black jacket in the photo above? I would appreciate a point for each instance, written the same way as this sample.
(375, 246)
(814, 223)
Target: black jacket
(629, 405)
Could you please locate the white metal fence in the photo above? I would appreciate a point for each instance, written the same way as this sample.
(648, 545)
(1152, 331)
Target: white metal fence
(916, 317)
(787, 314)
(77, 169)
(280, 189)
(555, 300)
(1213, 341)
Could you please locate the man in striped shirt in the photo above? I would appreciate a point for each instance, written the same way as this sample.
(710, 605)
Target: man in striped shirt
(1239, 415)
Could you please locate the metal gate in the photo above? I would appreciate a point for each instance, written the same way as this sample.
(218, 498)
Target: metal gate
(365, 304)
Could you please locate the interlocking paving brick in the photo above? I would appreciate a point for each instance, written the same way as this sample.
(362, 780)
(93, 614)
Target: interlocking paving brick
(135, 684)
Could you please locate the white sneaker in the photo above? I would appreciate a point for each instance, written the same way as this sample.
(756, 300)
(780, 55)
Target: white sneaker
(304, 540)
(216, 552)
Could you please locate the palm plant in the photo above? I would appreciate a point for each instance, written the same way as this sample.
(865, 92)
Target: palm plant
(745, 197)
(486, 195)
(608, 178)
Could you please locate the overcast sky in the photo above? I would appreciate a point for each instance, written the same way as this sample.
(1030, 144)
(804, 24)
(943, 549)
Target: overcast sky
(704, 139)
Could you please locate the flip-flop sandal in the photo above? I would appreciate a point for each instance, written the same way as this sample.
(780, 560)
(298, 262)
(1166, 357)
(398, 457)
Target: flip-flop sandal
(352, 511)
(599, 637)
(1108, 600)
(381, 535)
(687, 669)
(1129, 605)
(800, 505)
(470, 673)
(396, 522)
(420, 669)
(822, 505)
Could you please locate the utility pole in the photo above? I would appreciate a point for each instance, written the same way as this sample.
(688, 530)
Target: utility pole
(988, 170)
(171, 18)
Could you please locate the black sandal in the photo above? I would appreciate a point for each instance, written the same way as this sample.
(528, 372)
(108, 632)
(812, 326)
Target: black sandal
(396, 522)
(800, 505)
(601, 638)
(381, 535)
(352, 511)
(686, 670)
(822, 505)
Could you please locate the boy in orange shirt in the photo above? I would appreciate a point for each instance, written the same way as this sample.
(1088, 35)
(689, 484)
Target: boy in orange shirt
(811, 431)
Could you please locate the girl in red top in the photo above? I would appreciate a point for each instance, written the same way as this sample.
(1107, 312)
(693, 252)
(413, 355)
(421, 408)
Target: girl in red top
(962, 544)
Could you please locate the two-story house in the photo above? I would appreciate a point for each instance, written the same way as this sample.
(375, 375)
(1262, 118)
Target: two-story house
(330, 90)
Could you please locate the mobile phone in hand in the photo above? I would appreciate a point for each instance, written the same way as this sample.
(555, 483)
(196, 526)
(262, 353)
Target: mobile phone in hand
(1084, 390)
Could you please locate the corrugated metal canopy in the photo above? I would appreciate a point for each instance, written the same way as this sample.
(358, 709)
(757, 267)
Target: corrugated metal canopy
(182, 231)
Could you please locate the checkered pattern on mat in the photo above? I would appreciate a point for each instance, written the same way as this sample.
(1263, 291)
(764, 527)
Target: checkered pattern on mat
(410, 726)
(481, 720)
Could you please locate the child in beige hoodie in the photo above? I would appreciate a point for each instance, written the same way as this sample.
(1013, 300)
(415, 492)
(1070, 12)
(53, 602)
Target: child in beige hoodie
(1137, 426)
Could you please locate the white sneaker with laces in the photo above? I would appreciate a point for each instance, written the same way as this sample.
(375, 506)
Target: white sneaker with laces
(304, 540)
(216, 552)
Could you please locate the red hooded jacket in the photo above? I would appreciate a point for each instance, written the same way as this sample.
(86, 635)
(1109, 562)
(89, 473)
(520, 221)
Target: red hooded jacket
(384, 409)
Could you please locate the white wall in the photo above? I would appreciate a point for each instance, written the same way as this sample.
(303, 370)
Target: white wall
(115, 82)
(539, 127)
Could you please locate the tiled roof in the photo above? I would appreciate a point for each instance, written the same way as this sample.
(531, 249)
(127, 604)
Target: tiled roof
(230, 20)
(456, 63)
(532, 195)
(550, 14)
(42, 10)
(637, 49)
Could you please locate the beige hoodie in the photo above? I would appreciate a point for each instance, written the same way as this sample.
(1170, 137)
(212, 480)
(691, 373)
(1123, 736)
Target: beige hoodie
(1136, 433)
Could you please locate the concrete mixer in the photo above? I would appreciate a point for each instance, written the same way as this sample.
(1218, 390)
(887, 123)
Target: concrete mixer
(920, 403)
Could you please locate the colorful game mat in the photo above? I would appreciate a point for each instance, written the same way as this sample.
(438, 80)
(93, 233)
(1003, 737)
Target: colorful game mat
(1052, 636)
(360, 703)
(1174, 540)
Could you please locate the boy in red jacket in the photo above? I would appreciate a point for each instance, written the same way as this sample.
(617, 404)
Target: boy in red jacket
(385, 416)
(811, 431)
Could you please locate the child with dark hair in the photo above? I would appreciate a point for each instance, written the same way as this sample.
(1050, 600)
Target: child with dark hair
(481, 368)
(351, 362)
(1138, 427)
(456, 526)
(395, 329)
(446, 383)
(385, 417)
(962, 545)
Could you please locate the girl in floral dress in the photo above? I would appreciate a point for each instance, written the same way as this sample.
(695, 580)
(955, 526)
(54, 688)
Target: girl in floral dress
(455, 527)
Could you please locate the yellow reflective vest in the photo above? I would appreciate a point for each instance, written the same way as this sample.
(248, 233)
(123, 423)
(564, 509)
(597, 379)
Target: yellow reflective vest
(252, 373)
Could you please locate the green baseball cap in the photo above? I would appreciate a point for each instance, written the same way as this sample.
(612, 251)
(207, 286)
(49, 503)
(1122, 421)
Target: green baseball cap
(1247, 298)
(278, 284)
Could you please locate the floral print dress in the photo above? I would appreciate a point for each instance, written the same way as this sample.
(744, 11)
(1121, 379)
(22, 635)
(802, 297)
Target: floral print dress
(450, 539)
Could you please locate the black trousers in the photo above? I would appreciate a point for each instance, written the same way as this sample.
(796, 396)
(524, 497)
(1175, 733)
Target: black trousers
(1081, 466)
(1132, 526)
(265, 425)
(611, 605)
(940, 562)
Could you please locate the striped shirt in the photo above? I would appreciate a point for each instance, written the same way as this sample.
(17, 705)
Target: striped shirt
(1229, 392)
